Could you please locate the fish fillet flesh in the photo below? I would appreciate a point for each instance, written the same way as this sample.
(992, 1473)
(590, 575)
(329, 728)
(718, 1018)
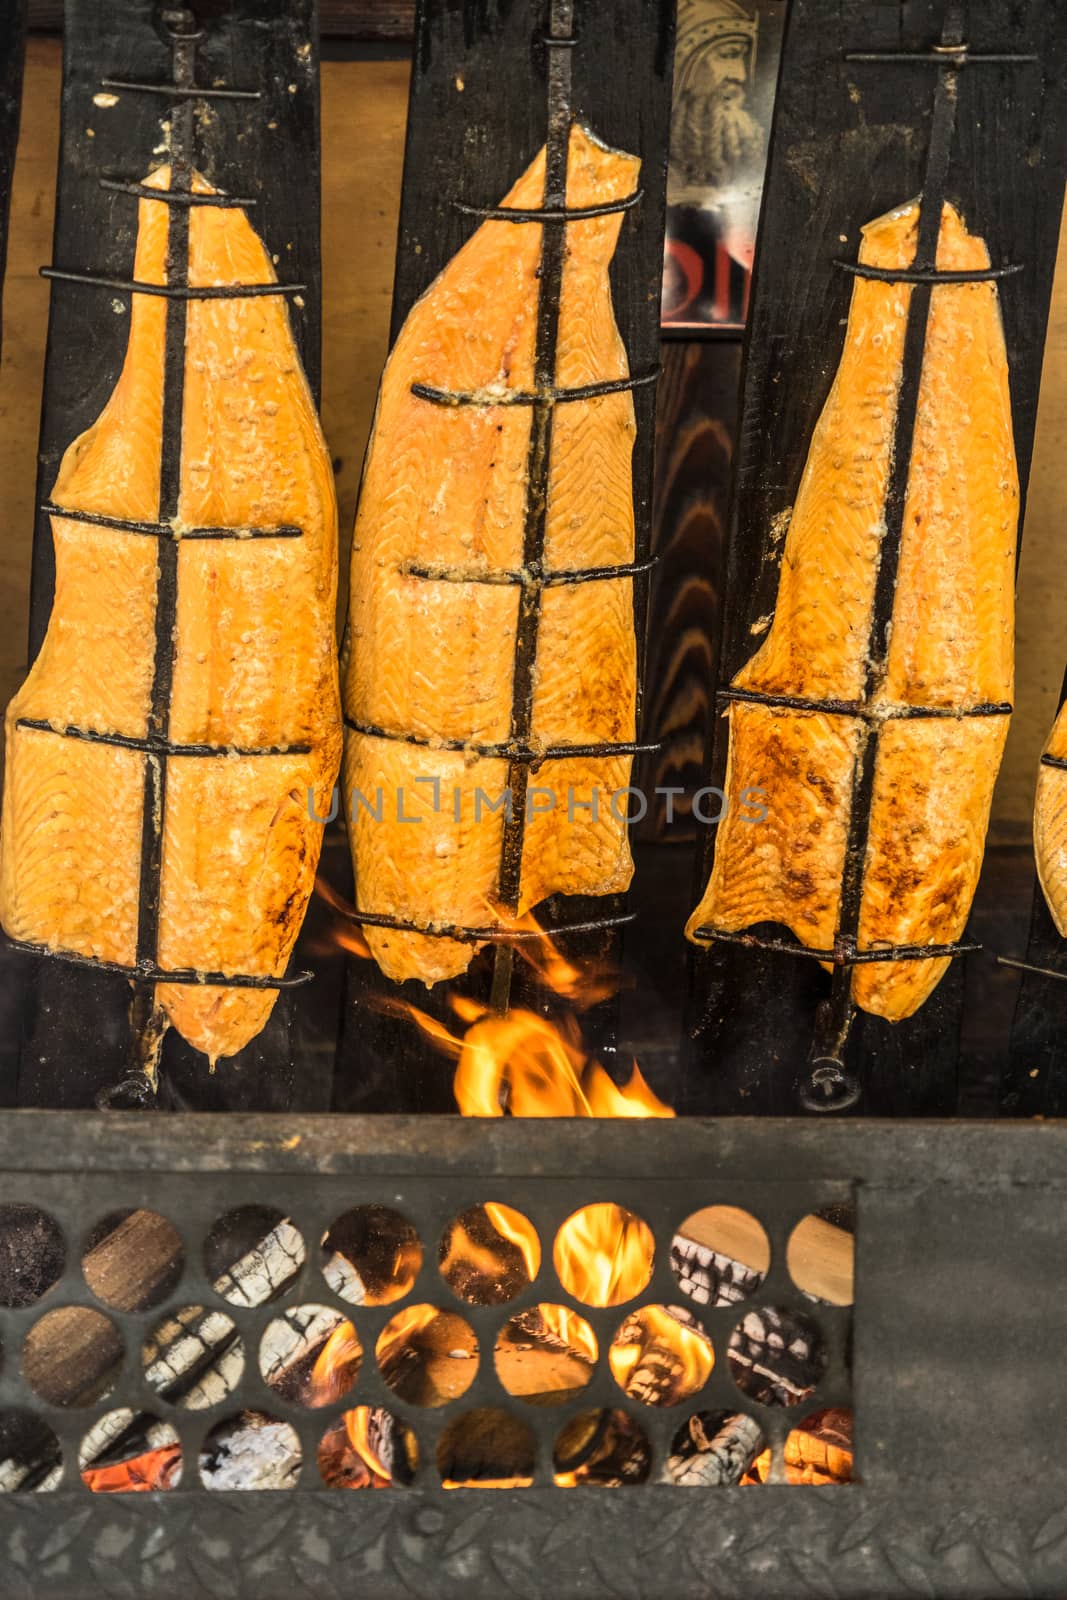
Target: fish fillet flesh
(254, 666)
(1050, 823)
(950, 651)
(430, 654)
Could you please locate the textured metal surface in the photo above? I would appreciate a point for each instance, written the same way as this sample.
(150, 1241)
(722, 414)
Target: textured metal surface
(960, 1325)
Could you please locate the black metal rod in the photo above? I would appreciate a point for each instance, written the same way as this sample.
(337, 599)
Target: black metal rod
(549, 213)
(169, 291)
(860, 269)
(152, 975)
(493, 935)
(161, 746)
(959, 57)
(1027, 966)
(523, 755)
(844, 954)
(154, 807)
(176, 197)
(544, 394)
(167, 530)
(504, 576)
(863, 709)
(181, 91)
(1053, 761)
(538, 471)
(834, 1020)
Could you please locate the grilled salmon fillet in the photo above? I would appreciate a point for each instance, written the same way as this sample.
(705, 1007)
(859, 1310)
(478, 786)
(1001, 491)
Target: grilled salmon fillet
(254, 666)
(1050, 823)
(429, 660)
(951, 644)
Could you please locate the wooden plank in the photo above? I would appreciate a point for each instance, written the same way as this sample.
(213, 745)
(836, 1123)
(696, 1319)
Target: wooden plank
(467, 140)
(369, 20)
(76, 1029)
(849, 143)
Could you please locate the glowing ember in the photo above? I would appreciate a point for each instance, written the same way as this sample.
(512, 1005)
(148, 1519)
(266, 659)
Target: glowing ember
(155, 1469)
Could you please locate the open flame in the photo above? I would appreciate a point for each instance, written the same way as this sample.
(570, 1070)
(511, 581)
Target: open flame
(154, 1469)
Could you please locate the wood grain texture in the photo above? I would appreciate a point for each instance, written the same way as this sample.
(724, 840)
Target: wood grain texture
(848, 145)
(696, 415)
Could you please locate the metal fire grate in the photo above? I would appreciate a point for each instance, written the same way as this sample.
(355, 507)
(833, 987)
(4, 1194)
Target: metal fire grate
(959, 1328)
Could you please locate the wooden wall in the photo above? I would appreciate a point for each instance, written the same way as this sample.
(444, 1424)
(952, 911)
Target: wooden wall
(363, 111)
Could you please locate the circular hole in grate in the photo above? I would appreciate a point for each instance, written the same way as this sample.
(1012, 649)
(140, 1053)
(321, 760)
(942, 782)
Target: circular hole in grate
(603, 1254)
(427, 1356)
(368, 1448)
(720, 1255)
(545, 1355)
(31, 1457)
(487, 1449)
(606, 1448)
(489, 1254)
(123, 1453)
(32, 1254)
(251, 1450)
(821, 1256)
(193, 1357)
(819, 1450)
(371, 1255)
(133, 1260)
(661, 1355)
(71, 1356)
(716, 1449)
(252, 1253)
(777, 1355)
(310, 1355)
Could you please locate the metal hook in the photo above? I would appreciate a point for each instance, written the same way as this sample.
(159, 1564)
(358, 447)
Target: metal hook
(830, 1087)
(134, 1092)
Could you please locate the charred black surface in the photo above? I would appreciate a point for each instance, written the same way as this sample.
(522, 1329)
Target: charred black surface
(75, 1023)
(850, 142)
(467, 142)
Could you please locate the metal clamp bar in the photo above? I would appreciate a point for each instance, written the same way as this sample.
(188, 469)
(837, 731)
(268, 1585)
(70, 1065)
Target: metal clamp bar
(549, 213)
(492, 935)
(844, 954)
(167, 530)
(525, 397)
(510, 750)
(167, 291)
(865, 710)
(142, 973)
(503, 576)
(1026, 966)
(859, 269)
(180, 91)
(177, 197)
(959, 57)
(159, 746)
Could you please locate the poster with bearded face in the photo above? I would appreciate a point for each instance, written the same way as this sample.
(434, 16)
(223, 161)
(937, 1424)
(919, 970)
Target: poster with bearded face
(725, 68)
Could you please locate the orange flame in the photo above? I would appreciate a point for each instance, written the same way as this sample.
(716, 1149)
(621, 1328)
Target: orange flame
(155, 1469)
(655, 1326)
(336, 1365)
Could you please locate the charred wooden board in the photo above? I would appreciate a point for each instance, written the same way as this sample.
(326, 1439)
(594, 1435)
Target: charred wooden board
(12, 50)
(1035, 1077)
(74, 1021)
(468, 138)
(849, 143)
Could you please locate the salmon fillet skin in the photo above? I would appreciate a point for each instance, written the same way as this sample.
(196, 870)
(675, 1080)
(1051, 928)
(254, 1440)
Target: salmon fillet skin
(950, 649)
(1050, 823)
(254, 668)
(429, 658)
